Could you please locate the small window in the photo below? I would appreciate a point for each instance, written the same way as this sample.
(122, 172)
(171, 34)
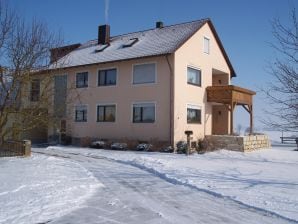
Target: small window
(193, 76)
(82, 80)
(193, 114)
(144, 73)
(144, 113)
(107, 77)
(206, 45)
(35, 90)
(81, 113)
(101, 48)
(106, 113)
(130, 42)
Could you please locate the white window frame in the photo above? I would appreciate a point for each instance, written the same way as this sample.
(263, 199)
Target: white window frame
(106, 104)
(209, 43)
(74, 115)
(195, 68)
(107, 68)
(85, 87)
(195, 107)
(144, 84)
(143, 102)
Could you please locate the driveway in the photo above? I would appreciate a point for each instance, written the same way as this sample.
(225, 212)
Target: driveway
(133, 195)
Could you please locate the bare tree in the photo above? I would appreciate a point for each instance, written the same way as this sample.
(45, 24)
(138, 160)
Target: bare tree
(283, 88)
(26, 74)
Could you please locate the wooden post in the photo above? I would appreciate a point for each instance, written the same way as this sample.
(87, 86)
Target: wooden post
(232, 119)
(251, 119)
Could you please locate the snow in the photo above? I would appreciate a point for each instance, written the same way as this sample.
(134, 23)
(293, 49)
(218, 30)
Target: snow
(266, 180)
(81, 185)
(42, 188)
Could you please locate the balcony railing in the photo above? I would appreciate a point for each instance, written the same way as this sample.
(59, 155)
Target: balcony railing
(229, 94)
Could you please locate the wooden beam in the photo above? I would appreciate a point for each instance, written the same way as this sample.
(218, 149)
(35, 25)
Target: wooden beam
(247, 109)
(232, 118)
(251, 119)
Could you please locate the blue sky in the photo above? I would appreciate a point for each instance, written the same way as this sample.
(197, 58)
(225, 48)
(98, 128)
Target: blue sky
(243, 26)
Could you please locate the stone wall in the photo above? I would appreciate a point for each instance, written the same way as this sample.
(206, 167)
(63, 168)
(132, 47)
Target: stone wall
(15, 148)
(237, 143)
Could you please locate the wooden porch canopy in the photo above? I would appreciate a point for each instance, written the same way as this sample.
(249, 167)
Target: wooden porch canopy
(231, 96)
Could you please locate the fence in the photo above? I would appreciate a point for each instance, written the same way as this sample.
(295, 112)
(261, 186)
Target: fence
(15, 148)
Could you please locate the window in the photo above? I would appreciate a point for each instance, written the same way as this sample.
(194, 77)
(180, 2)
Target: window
(144, 113)
(193, 76)
(82, 80)
(206, 45)
(35, 90)
(144, 73)
(81, 113)
(193, 114)
(107, 77)
(130, 42)
(101, 48)
(106, 113)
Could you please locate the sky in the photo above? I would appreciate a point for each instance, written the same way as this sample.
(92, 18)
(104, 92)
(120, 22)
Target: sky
(244, 27)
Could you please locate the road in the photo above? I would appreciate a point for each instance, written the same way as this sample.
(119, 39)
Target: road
(133, 195)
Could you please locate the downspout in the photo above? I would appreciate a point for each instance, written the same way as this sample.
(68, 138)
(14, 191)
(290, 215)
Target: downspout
(172, 87)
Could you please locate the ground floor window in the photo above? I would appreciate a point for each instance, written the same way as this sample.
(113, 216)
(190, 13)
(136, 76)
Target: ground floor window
(81, 113)
(106, 113)
(193, 114)
(144, 113)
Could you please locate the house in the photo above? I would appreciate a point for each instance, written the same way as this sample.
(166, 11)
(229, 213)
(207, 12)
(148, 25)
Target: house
(150, 85)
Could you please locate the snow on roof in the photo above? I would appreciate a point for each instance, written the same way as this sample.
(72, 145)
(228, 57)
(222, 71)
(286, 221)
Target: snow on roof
(153, 42)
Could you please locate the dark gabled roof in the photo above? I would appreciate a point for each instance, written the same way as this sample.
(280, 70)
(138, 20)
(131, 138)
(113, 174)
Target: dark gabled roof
(153, 42)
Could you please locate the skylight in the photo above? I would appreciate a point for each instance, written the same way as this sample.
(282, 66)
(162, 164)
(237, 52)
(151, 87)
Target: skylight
(101, 48)
(130, 42)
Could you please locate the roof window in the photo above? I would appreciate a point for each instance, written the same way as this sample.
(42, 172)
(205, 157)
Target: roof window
(101, 48)
(130, 42)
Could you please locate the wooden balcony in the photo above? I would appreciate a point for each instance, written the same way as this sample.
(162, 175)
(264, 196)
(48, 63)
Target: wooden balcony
(231, 96)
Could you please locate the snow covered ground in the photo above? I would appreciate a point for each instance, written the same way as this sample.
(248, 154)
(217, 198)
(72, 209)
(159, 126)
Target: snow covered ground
(42, 188)
(80, 185)
(265, 179)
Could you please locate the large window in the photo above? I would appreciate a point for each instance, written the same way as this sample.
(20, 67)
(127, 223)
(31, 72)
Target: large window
(81, 113)
(106, 113)
(144, 113)
(144, 73)
(35, 90)
(82, 80)
(206, 45)
(193, 114)
(194, 76)
(107, 77)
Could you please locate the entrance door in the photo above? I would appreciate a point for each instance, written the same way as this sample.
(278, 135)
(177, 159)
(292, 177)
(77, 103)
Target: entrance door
(220, 120)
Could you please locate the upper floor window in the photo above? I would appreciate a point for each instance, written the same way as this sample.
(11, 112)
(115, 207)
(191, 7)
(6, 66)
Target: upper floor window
(144, 73)
(193, 114)
(106, 113)
(193, 76)
(81, 113)
(82, 80)
(206, 45)
(35, 90)
(107, 77)
(144, 113)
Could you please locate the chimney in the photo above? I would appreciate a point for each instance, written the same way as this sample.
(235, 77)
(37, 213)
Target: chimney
(104, 34)
(159, 24)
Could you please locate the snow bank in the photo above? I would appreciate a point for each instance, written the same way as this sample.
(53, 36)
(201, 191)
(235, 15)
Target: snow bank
(266, 179)
(41, 188)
